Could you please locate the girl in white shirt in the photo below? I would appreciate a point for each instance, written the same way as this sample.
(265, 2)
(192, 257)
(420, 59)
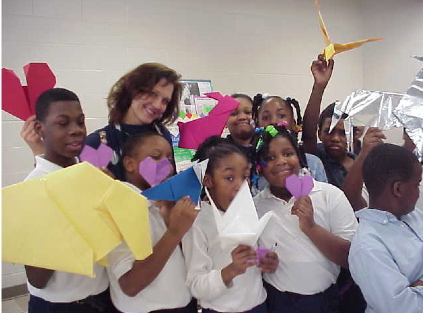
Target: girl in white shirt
(313, 233)
(156, 284)
(223, 280)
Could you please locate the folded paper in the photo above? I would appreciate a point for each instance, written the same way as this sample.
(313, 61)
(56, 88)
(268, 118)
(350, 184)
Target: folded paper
(98, 157)
(299, 186)
(20, 100)
(186, 183)
(334, 48)
(193, 133)
(240, 223)
(72, 218)
(410, 111)
(154, 172)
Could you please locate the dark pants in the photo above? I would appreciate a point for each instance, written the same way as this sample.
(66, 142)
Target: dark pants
(100, 303)
(351, 299)
(288, 302)
(190, 308)
(261, 308)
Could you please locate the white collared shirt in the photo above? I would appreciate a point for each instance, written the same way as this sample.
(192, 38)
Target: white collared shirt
(166, 291)
(205, 260)
(303, 269)
(66, 287)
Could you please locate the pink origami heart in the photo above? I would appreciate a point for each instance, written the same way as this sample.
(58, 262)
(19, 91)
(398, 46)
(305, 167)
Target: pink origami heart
(299, 186)
(154, 172)
(98, 157)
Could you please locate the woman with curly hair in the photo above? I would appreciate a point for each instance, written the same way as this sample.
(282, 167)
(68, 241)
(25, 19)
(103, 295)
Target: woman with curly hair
(143, 100)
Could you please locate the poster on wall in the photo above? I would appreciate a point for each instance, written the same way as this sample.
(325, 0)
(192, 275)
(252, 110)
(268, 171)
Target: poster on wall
(193, 102)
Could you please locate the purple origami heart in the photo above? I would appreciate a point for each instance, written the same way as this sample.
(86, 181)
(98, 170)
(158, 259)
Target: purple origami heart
(299, 186)
(261, 253)
(154, 172)
(98, 157)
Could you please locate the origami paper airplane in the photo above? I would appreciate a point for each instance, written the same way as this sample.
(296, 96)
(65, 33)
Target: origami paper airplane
(98, 157)
(20, 100)
(334, 48)
(154, 172)
(193, 133)
(368, 108)
(186, 183)
(72, 218)
(410, 111)
(240, 223)
(299, 186)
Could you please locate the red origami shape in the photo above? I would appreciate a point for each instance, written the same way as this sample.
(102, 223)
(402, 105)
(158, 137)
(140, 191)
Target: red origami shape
(20, 100)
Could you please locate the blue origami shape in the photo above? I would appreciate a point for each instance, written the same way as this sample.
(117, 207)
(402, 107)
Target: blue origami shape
(183, 184)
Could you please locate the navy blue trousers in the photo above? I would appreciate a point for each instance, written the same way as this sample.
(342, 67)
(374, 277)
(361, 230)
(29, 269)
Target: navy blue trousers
(288, 302)
(100, 303)
(258, 309)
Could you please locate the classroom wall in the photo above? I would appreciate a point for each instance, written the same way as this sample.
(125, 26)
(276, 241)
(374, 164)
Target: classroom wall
(241, 45)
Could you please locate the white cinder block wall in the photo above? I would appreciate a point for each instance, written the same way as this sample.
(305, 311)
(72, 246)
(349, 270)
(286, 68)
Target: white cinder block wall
(241, 45)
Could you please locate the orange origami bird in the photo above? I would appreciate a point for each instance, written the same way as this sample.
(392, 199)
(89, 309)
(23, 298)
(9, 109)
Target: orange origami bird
(335, 48)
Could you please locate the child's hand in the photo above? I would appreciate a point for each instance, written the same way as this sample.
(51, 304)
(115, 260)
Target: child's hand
(303, 208)
(31, 137)
(322, 71)
(243, 257)
(373, 137)
(181, 217)
(269, 263)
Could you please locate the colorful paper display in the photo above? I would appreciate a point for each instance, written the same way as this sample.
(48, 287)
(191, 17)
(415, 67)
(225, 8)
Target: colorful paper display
(334, 48)
(98, 157)
(299, 186)
(193, 133)
(154, 172)
(20, 100)
(70, 219)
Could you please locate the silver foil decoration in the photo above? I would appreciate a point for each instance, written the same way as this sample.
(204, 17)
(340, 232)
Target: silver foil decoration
(410, 112)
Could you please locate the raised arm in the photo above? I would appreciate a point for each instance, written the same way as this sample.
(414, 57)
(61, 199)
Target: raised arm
(181, 218)
(353, 183)
(322, 72)
(31, 137)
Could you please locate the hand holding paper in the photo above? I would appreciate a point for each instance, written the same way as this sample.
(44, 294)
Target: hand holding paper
(334, 48)
(240, 223)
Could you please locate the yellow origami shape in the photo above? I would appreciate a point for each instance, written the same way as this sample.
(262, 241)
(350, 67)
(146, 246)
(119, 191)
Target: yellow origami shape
(335, 48)
(70, 219)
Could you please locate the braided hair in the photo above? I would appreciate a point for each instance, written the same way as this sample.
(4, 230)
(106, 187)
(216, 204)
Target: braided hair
(262, 143)
(291, 103)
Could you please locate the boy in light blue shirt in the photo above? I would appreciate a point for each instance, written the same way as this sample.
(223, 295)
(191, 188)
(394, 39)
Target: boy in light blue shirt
(386, 255)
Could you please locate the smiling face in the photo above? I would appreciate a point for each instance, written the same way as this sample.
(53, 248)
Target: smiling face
(274, 111)
(335, 142)
(239, 122)
(226, 179)
(147, 107)
(155, 147)
(63, 132)
(282, 161)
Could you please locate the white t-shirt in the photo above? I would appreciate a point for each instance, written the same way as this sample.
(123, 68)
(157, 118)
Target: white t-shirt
(303, 269)
(66, 287)
(205, 260)
(167, 291)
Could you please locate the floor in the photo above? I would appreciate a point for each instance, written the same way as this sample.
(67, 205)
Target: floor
(15, 305)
